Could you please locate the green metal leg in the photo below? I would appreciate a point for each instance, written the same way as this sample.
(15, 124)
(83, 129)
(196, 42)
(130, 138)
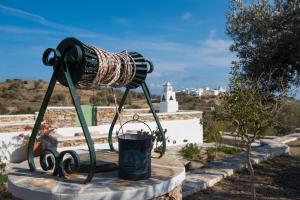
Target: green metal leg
(85, 129)
(149, 101)
(110, 134)
(39, 119)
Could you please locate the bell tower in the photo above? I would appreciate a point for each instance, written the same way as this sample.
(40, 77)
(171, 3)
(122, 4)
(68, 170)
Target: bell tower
(168, 101)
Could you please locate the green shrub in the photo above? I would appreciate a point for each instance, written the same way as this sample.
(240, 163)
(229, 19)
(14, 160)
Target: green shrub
(37, 97)
(111, 99)
(133, 106)
(3, 179)
(190, 150)
(228, 150)
(15, 86)
(211, 152)
(95, 100)
(59, 98)
(10, 94)
(3, 109)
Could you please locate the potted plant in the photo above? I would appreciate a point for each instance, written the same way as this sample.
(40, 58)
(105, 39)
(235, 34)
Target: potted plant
(43, 141)
(46, 139)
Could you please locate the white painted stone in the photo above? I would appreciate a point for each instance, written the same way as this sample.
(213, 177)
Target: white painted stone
(103, 186)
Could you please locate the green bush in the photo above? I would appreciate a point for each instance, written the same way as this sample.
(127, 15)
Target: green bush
(59, 98)
(133, 106)
(36, 85)
(37, 97)
(228, 150)
(111, 99)
(24, 110)
(3, 179)
(190, 150)
(3, 109)
(95, 100)
(9, 94)
(15, 86)
(211, 152)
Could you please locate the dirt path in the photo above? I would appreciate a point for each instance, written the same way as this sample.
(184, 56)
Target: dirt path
(278, 178)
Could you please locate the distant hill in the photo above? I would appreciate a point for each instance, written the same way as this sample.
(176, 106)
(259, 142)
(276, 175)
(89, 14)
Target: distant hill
(21, 96)
(203, 103)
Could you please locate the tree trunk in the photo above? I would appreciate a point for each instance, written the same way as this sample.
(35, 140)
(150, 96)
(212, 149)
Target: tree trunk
(250, 168)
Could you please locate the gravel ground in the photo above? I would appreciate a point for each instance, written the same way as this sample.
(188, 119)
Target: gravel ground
(277, 178)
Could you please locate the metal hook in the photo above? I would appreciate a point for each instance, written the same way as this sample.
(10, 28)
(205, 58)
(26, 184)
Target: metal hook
(73, 54)
(151, 67)
(136, 117)
(51, 61)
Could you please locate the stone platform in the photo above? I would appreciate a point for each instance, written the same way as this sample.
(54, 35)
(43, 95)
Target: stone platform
(166, 177)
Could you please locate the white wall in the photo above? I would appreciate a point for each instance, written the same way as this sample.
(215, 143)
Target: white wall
(178, 132)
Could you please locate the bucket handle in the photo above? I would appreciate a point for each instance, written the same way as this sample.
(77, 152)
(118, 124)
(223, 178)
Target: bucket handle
(135, 118)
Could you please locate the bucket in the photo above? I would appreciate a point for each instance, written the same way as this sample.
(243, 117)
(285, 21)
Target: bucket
(135, 156)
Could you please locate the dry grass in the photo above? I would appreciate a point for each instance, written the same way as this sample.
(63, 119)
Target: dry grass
(26, 96)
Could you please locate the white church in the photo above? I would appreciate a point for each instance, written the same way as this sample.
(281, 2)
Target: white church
(168, 102)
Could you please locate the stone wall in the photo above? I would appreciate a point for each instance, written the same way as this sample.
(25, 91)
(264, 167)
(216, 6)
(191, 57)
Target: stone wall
(14, 127)
(17, 118)
(134, 111)
(168, 116)
(61, 116)
(105, 114)
(65, 116)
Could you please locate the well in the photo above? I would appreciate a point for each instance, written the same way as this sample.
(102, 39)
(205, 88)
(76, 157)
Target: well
(166, 178)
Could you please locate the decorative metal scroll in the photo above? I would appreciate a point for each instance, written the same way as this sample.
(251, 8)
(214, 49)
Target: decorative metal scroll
(59, 61)
(50, 159)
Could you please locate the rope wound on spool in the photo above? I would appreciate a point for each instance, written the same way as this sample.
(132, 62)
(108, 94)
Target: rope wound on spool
(92, 67)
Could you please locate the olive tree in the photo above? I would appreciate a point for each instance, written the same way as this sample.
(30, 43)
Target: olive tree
(249, 111)
(265, 36)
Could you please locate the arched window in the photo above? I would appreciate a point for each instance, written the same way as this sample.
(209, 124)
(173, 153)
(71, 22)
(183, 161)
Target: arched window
(171, 98)
(163, 98)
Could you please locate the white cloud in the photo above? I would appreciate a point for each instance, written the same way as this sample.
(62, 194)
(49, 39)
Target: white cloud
(121, 21)
(180, 56)
(20, 13)
(186, 16)
(171, 59)
(25, 30)
(47, 23)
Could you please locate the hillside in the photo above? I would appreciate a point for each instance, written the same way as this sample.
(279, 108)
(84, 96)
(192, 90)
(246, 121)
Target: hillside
(21, 96)
(204, 103)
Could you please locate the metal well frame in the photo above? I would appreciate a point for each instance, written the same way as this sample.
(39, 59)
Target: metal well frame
(61, 65)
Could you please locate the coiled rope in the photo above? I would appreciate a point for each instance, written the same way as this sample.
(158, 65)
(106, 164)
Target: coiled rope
(115, 69)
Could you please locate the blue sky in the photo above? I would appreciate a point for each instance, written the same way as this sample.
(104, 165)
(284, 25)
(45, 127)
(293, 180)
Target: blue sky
(185, 39)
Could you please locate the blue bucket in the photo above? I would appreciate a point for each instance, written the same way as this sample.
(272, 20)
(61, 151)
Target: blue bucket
(135, 156)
